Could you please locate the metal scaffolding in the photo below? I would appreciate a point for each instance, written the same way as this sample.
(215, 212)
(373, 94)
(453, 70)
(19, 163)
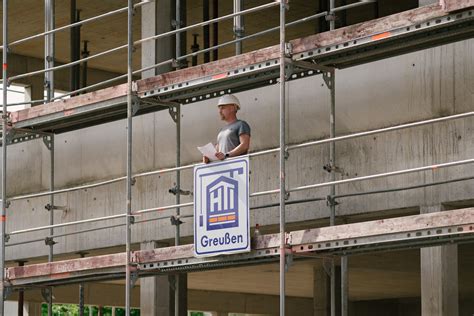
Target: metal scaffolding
(284, 66)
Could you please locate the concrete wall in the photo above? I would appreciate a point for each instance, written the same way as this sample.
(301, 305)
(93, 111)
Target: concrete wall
(422, 85)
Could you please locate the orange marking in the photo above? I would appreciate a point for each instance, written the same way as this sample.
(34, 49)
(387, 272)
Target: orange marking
(212, 220)
(5, 66)
(231, 217)
(381, 36)
(220, 76)
(60, 275)
(222, 218)
(3, 218)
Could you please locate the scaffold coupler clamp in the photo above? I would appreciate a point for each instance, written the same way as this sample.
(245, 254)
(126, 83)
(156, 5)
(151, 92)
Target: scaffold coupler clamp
(174, 113)
(331, 201)
(287, 195)
(46, 293)
(181, 63)
(7, 237)
(131, 218)
(329, 167)
(174, 190)
(175, 220)
(289, 68)
(239, 32)
(286, 3)
(49, 241)
(133, 181)
(133, 274)
(287, 153)
(175, 23)
(288, 252)
(7, 116)
(7, 203)
(331, 16)
(288, 49)
(136, 104)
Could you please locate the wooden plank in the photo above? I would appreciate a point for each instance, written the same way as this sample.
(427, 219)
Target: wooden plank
(368, 28)
(455, 5)
(381, 227)
(63, 268)
(67, 106)
(163, 254)
(215, 68)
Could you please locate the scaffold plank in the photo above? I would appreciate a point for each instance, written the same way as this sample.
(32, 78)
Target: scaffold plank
(368, 28)
(455, 5)
(62, 269)
(387, 234)
(68, 106)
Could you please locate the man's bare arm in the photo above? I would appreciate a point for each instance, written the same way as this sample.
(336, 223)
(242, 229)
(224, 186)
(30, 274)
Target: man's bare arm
(243, 148)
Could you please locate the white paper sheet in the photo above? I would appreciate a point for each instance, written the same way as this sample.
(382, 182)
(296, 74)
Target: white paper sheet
(209, 151)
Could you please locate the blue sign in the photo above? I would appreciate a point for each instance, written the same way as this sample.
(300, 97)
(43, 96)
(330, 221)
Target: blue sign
(221, 208)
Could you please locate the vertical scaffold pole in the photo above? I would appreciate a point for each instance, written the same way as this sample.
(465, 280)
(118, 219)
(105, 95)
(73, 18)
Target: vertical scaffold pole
(178, 48)
(282, 156)
(178, 26)
(344, 286)
(49, 86)
(238, 26)
(177, 287)
(4, 153)
(128, 231)
(51, 218)
(49, 15)
(332, 163)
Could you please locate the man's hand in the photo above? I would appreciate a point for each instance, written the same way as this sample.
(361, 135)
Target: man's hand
(220, 156)
(205, 159)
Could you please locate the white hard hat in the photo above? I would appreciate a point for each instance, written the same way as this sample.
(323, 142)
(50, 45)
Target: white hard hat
(229, 99)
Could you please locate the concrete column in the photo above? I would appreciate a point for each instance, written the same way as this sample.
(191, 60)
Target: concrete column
(321, 291)
(439, 277)
(35, 89)
(156, 296)
(156, 19)
(34, 308)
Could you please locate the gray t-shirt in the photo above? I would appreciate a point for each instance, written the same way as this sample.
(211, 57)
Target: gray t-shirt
(228, 137)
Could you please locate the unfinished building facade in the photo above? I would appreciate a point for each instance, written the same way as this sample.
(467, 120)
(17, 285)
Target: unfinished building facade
(361, 178)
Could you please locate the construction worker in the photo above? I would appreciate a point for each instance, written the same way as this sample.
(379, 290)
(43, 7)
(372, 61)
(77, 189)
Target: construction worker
(234, 138)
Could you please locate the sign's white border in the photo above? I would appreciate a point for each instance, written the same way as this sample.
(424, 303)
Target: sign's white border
(244, 162)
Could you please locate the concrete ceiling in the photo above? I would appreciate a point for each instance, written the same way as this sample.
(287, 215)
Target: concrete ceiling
(375, 276)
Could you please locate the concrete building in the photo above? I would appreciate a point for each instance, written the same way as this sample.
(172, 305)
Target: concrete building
(395, 64)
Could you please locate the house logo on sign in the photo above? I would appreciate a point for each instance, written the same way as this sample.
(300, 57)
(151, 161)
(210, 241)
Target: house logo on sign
(222, 203)
(221, 221)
